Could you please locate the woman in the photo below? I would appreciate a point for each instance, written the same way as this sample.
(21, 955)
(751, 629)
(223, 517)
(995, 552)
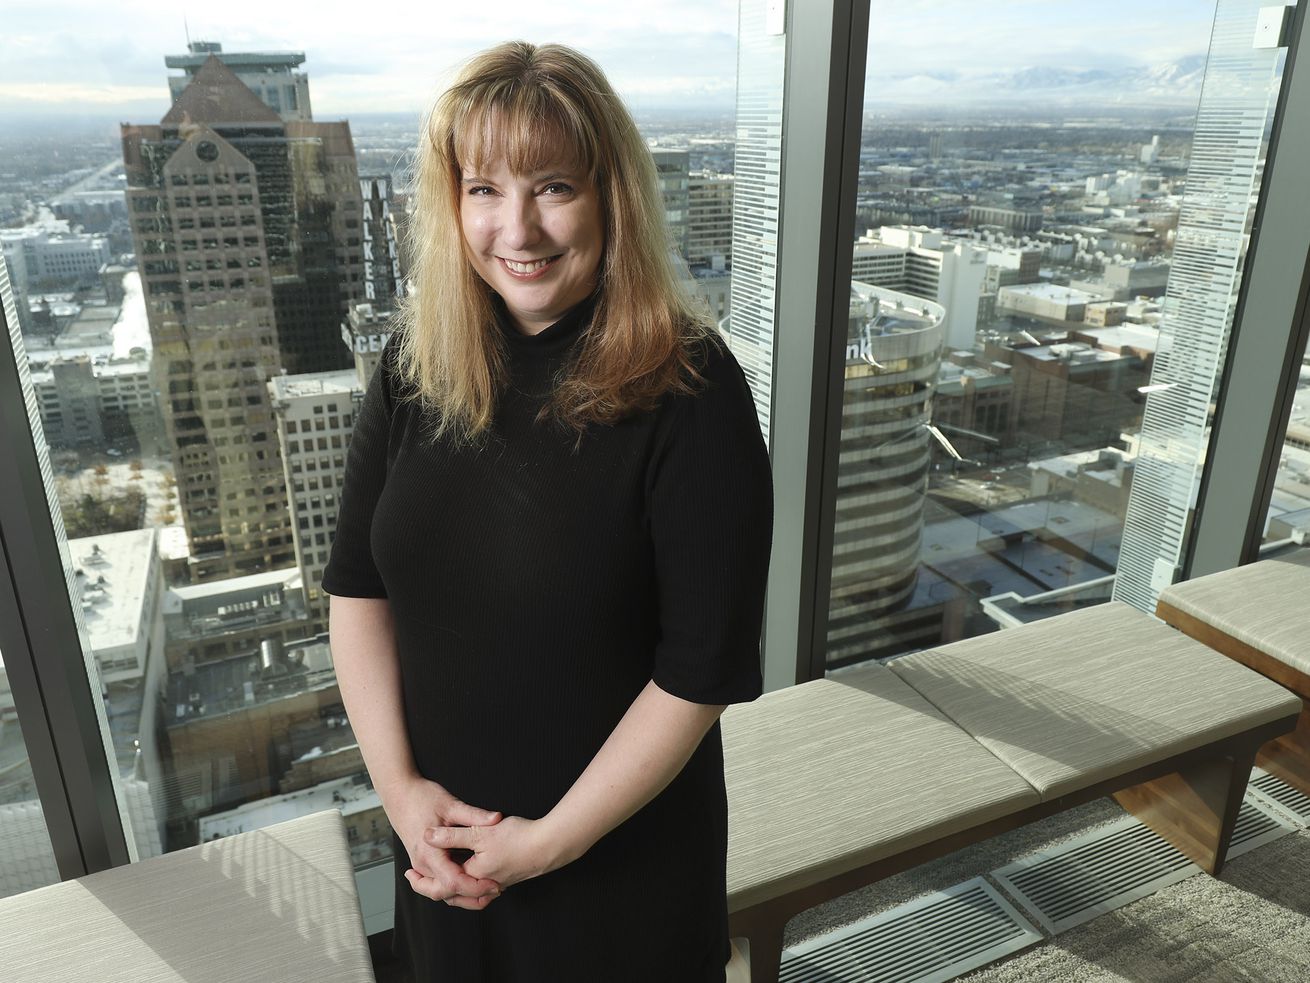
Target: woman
(549, 567)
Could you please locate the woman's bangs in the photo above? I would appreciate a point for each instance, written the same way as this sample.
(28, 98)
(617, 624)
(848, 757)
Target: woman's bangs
(527, 131)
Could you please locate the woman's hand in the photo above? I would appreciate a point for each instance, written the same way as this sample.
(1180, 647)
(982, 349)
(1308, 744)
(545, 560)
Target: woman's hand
(418, 806)
(513, 850)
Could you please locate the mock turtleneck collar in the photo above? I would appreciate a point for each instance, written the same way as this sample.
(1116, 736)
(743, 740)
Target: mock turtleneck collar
(552, 340)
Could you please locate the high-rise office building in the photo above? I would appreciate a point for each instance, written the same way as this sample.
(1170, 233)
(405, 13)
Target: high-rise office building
(384, 281)
(709, 219)
(243, 225)
(315, 417)
(270, 75)
(893, 355)
(673, 167)
(757, 197)
(365, 333)
(927, 263)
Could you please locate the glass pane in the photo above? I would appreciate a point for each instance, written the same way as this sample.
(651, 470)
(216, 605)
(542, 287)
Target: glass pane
(761, 64)
(26, 858)
(1015, 292)
(203, 295)
(1288, 519)
(1230, 141)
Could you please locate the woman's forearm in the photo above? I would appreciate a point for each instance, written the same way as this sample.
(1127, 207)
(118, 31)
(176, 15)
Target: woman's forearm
(368, 674)
(647, 749)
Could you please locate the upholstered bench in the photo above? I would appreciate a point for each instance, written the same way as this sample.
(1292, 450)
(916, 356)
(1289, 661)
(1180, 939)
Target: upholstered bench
(1259, 615)
(839, 782)
(276, 904)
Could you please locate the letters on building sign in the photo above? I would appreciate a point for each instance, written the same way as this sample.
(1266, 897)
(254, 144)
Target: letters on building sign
(370, 342)
(859, 350)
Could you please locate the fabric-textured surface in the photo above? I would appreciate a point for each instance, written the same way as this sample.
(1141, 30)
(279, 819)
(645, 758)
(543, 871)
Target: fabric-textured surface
(536, 589)
(274, 904)
(844, 771)
(1084, 696)
(1265, 604)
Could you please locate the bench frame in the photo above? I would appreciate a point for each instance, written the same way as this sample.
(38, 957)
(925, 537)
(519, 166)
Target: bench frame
(1191, 799)
(1286, 757)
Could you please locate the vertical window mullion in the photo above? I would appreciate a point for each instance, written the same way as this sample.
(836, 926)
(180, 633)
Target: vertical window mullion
(822, 116)
(40, 638)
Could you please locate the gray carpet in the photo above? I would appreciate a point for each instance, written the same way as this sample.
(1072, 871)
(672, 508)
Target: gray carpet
(1252, 924)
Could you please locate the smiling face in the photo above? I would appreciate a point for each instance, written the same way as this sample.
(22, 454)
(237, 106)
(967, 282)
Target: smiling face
(536, 239)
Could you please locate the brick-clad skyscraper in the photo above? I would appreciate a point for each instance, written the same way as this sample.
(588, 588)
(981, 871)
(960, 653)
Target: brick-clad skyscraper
(243, 226)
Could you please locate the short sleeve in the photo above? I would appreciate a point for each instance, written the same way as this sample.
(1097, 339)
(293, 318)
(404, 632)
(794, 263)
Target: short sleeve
(710, 510)
(350, 570)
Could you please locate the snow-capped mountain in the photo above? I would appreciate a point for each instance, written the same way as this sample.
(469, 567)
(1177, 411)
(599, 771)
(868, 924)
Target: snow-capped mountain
(1176, 83)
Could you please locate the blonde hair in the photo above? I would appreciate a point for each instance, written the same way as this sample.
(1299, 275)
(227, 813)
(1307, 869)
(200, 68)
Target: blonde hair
(522, 103)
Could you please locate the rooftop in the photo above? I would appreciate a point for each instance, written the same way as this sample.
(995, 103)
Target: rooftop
(112, 572)
(232, 585)
(1138, 336)
(255, 678)
(1049, 291)
(351, 795)
(341, 382)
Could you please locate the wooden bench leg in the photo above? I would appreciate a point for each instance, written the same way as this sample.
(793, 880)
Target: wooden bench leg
(1288, 757)
(763, 935)
(765, 956)
(1195, 809)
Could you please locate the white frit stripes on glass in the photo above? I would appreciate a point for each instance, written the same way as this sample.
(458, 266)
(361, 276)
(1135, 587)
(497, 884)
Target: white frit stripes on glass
(761, 63)
(1237, 98)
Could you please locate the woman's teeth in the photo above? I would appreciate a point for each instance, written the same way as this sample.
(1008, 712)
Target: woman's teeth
(528, 267)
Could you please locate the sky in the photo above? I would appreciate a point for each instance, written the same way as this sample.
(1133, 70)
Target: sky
(86, 56)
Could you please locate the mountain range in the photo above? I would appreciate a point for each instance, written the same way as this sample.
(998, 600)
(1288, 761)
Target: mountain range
(1172, 84)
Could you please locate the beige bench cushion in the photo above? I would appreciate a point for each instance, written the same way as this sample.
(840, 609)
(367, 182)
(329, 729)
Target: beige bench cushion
(841, 772)
(1085, 696)
(1265, 604)
(273, 904)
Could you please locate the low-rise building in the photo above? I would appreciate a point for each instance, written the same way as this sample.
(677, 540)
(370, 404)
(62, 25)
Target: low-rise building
(120, 590)
(215, 620)
(94, 400)
(47, 259)
(1044, 300)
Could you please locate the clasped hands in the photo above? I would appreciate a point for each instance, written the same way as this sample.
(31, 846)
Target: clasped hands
(505, 849)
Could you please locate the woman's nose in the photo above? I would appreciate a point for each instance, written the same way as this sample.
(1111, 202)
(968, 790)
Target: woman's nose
(521, 226)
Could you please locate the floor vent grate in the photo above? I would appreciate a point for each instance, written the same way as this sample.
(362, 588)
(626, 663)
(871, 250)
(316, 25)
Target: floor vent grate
(1094, 873)
(1265, 788)
(1257, 824)
(929, 940)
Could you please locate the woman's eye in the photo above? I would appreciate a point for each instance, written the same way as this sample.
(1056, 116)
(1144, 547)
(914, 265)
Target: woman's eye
(558, 188)
(479, 189)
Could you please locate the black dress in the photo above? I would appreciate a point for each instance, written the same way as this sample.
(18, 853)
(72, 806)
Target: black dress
(535, 591)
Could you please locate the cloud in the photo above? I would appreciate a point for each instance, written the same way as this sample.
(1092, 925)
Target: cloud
(392, 56)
